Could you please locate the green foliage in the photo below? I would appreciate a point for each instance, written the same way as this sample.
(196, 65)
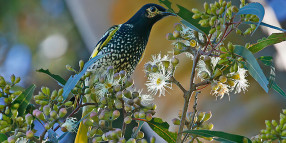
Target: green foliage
(264, 42)
(161, 128)
(220, 136)
(24, 99)
(186, 15)
(58, 78)
(3, 137)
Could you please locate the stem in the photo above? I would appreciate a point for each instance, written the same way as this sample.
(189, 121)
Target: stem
(187, 96)
(124, 124)
(172, 79)
(194, 114)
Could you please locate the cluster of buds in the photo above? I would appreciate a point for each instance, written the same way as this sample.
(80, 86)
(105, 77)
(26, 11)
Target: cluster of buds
(186, 39)
(11, 122)
(197, 122)
(113, 96)
(218, 14)
(51, 107)
(274, 131)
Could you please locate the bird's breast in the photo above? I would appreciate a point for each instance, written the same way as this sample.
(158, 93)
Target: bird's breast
(124, 50)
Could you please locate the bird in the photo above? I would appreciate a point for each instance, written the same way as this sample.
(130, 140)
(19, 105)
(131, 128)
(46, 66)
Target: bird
(124, 46)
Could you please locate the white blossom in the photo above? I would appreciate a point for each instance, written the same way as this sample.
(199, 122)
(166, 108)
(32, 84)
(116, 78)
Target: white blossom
(241, 84)
(158, 81)
(70, 124)
(22, 140)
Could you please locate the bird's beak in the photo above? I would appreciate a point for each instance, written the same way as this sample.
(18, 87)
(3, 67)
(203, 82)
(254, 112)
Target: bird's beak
(168, 14)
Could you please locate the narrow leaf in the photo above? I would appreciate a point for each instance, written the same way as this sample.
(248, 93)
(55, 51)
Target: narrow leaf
(278, 89)
(72, 81)
(162, 129)
(267, 60)
(3, 137)
(168, 4)
(58, 78)
(52, 136)
(272, 39)
(24, 99)
(187, 15)
(255, 9)
(221, 136)
(264, 24)
(252, 66)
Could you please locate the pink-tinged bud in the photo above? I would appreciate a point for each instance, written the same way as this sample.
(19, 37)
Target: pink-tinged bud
(115, 114)
(40, 115)
(148, 117)
(12, 139)
(127, 120)
(29, 134)
(29, 119)
(35, 111)
(53, 114)
(62, 112)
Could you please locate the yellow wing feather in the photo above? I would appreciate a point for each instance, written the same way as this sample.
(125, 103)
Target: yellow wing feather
(81, 136)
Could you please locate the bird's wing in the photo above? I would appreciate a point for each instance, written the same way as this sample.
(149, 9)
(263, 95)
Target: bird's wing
(81, 136)
(104, 39)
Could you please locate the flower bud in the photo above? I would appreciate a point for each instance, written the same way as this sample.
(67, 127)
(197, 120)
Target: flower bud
(18, 79)
(11, 139)
(62, 112)
(118, 104)
(53, 114)
(115, 114)
(175, 61)
(142, 115)
(29, 134)
(212, 31)
(196, 16)
(127, 120)
(129, 82)
(127, 108)
(176, 34)
(222, 79)
(81, 64)
(29, 119)
(176, 121)
(195, 10)
(46, 110)
(140, 135)
(101, 123)
(127, 94)
(207, 116)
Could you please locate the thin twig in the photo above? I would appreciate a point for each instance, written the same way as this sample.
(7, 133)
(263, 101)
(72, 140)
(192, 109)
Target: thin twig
(193, 115)
(124, 124)
(172, 79)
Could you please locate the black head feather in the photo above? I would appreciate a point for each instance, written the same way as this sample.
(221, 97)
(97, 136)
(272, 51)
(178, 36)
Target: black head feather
(147, 16)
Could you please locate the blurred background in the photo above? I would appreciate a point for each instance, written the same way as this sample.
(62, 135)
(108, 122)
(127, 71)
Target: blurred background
(50, 34)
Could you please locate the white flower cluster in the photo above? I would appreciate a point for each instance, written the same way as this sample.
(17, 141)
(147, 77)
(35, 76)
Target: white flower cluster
(159, 71)
(222, 84)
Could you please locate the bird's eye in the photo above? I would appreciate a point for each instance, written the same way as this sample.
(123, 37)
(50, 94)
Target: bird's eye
(152, 9)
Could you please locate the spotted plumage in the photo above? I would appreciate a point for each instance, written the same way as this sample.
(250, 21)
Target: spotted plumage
(123, 46)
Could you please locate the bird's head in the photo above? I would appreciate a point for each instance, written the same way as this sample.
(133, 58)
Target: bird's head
(149, 14)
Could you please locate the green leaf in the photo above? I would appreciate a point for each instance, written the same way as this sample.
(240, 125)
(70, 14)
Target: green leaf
(161, 128)
(58, 78)
(3, 137)
(267, 60)
(168, 4)
(73, 80)
(252, 65)
(187, 15)
(272, 39)
(255, 9)
(24, 99)
(278, 89)
(221, 136)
